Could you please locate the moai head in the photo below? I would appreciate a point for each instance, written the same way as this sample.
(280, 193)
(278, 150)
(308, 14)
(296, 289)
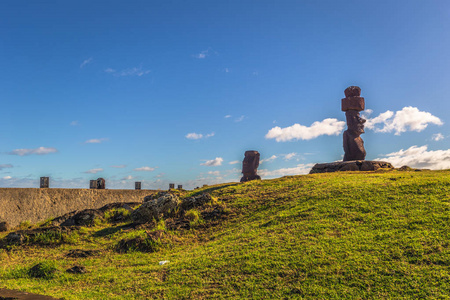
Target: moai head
(250, 163)
(354, 122)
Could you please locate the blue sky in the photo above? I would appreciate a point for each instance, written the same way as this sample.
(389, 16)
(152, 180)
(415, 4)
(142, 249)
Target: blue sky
(177, 91)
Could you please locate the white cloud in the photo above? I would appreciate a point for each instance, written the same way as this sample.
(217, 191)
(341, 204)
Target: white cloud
(203, 54)
(299, 169)
(145, 169)
(85, 62)
(273, 157)
(214, 162)
(234, 162)
(241, 118)
(408, 119)
(300, 132)
(94, 171)
(198, 136)
(4, 166)
(419, 157)
(215, 173)
(7, 177)
(95, 141)
(290, 156)
(37, 151)
(227, 70)
(74, 123)
(119, 166)
(129, 177)
(437, 137)
(194, 136)
(227, 116)
(128, 72)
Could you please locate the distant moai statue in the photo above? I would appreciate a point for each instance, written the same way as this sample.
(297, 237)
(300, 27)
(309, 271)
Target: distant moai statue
(93, 184)
(352, 104)
(180, 187)
(171, 186)
(137, 185)
(44, 182)
(100, 183)
(250, 166)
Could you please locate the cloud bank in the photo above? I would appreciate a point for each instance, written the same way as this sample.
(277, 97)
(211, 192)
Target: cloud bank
(408, 119)
(214, 162)
(198, 136)
(144, 169)
(37, 151)
(300, 132)
(419, 157)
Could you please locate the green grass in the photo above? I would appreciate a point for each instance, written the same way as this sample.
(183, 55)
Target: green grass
(343, 235)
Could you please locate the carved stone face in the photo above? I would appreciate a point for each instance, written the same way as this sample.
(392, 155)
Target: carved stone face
(250, 163)
(354, 122)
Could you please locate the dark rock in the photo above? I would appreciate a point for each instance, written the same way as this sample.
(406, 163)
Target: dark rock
(4, 226)
(192, 202)
(81, 218)
(165, 205)
(250, 166)
(356, 165)
(76, 270)
(15, 238)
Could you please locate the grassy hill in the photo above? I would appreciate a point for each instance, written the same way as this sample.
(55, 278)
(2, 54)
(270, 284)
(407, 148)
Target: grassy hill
(350, 235)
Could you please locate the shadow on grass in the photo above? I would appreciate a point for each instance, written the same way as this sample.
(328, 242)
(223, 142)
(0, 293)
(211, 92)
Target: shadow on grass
(212, 189)
(111, 230)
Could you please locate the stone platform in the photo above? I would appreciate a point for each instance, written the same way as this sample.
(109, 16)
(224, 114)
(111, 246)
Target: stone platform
(352, 165)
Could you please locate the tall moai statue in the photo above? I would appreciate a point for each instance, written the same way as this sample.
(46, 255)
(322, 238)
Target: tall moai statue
(352, 104)
(250, 166)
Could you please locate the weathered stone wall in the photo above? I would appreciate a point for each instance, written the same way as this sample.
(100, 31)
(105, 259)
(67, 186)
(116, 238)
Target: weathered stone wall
(18, 204)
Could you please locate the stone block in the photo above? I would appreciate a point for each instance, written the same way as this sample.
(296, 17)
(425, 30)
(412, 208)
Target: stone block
(352, 103)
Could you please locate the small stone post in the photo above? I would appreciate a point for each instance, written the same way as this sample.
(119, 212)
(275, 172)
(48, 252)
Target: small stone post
(137, 185)
(180, 187)
(93, 184)
(171, 186)
(44, 182)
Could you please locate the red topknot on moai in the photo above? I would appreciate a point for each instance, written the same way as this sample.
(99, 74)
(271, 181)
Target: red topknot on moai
(352, 104)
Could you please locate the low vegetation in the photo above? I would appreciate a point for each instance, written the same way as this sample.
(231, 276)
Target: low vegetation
(349, 235)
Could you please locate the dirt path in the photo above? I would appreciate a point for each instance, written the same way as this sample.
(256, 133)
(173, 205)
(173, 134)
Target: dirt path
(17, 295)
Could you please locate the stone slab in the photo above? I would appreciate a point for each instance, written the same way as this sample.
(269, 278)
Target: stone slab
(353, 103)
(352, 165)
